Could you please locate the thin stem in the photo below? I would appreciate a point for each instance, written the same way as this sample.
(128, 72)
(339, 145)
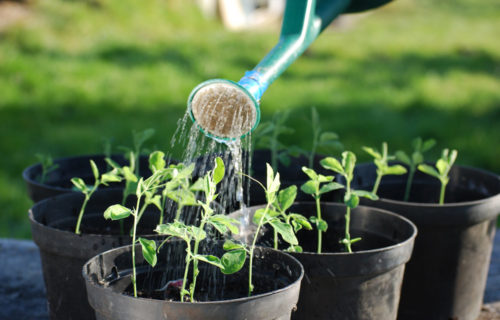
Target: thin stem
(195, 252)
(377, 182)
(80, 215)
(275, 239)
(441, 196)
(134, 231)
(411, 173)
(186, 270)
(252, 248)
(313, 149)
(320, 233)
(347, 232)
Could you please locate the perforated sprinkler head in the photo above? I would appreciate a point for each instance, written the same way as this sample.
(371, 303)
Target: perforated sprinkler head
(223, 109)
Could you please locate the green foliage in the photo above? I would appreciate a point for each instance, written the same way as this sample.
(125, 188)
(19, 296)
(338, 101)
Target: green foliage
(381, 160)
(48, 166)
(443, 166)
(326, 140)
(417, 157)
(351, 197)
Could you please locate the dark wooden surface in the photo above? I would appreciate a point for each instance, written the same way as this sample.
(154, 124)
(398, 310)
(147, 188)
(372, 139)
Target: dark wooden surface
(22, 293)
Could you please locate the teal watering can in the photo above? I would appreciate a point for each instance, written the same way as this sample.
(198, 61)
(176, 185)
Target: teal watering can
(227, 110)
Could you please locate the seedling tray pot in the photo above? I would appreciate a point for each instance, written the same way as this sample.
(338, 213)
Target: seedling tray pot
(222, 297)
(446, 277)
(365, 284)
(59, 181)
(63, 253)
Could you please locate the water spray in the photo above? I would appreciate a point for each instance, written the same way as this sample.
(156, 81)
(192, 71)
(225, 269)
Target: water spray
(228, 110)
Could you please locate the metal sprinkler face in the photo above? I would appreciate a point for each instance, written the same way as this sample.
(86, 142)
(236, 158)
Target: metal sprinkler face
(223, 110)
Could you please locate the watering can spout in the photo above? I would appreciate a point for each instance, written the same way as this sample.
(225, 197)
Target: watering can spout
(229, 110)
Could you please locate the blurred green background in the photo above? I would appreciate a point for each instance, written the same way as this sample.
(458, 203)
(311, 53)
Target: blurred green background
(75, 72)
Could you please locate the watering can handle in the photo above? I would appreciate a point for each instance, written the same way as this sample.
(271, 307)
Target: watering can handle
(303, 21)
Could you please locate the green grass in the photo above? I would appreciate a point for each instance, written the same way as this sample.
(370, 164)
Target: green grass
(75, 72)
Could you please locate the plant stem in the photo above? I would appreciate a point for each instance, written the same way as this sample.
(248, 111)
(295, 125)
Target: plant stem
(252, 248)
(441, 195)
(195, 252)
(313, 149)
(134, 231)
(320, 233)
(275, 239)
(186, 270)
(80, 215)
(377, 182)
(347, 232)
(409, 182)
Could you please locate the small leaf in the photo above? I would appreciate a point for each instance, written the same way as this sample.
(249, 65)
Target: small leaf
(428, 144)
(213, 260)
(310, 173)
(284, 159)
(372, 152)
(441, 165)
(112, 163)
(198, 233)
(149, 251)
(322, 225)
(95, 171)
(117, 212)
(285, 230)
(403, 157)
(110, 177)
(175, 229)
(355, 240)
(219, 170)
(263, 214)
(349, 161)
(309, 187)
(128, 174)
(352, 201)
(300, 219)
(199, 185)
(417, 158)
(322, 178)
(332, 164)
(428, 170)
(365, 194)
(233, 261)
(328, 136)
(80, 184)
(395, 170)
(269, 176)
(286, 197)
(157, 161)
(156, 201)
(330, 187)
(222, 223)
(230, 245)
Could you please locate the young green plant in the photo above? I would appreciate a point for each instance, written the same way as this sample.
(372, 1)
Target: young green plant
(321, 139)
(381, 160)
(443, 166)
(231, 261)
(48, 166)
(316, 186)
(88, 191)
(416, 158)
(351, 197)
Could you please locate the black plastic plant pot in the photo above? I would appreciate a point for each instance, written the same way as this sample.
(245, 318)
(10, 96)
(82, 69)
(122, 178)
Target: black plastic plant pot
(446, 276)
(276, 277)
(63, 253)
(364, 284)
(59, 181)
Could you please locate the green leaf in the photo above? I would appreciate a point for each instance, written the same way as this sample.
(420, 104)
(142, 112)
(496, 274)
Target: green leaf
(219, 170)
(128, 174)
(199, 185)
(322, 178)
(156, 201)
(285, 230)
(365, 194)
(231, 245)
(213, 260)
(284, 159)
(332, 164)
(80, 184)
(295, 249)
(442, 166)
(349, 161)
(175, 229)
(322, 225)
(310, 173)
(269, 176)
(233, 261)
(372, 152)
(198, 233)
(117, 212)
(149, 251)
(417, 158)
(395, 170)
(309, 187)
(157, 161)
(112, 163)
(143, 136)
(275, 185)
(352, 201)
(222, 223)
(263, 214)
(328, 136)
(330, 187)
(286, 197)
(428, 144)
(95, 171)
(110, 177)
(428, 170)
(300, 219)
(403, 157)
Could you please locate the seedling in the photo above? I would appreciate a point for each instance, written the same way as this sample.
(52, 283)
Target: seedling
(417, 157)
(443, 166)
(316, 186)
(231, 261)
(146, 189)
(351, 197)
(88, 191)
(321, 139)
(48, 166)
(381, 160)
